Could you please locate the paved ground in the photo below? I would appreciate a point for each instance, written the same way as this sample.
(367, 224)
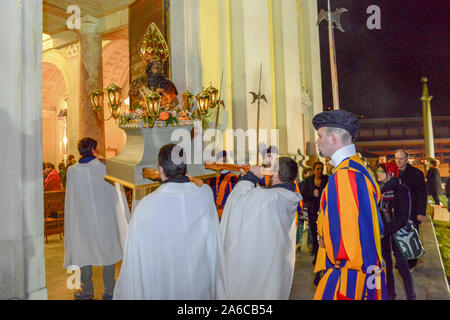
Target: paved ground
(429, 276)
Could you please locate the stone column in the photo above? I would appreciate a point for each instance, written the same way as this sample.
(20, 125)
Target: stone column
(427, 120)
(71, 53)
(91, 124)
(22, 251)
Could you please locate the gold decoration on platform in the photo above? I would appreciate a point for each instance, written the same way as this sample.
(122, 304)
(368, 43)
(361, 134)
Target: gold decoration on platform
(187, 100)
(203, 103)
(153, 46)
(113, 93)
(213, 93)
(152, 104)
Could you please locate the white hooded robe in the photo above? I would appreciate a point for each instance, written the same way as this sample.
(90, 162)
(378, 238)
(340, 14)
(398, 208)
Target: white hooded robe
(171, 245)
(95, 217)
(258, 235)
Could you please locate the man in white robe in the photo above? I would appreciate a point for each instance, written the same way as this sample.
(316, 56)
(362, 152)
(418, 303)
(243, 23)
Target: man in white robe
(171, 244)
(96, 220)
(258, 235)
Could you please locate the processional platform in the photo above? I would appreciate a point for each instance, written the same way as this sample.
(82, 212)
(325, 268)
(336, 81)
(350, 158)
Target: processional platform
(141, 151)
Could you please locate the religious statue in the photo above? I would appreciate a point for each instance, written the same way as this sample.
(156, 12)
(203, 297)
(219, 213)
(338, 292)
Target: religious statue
(154, 52)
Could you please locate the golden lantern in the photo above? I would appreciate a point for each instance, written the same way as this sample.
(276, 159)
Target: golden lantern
(213, 92)
(96, 99)
(152, 104)
(203, 103)
(113, 93)
(187, 100)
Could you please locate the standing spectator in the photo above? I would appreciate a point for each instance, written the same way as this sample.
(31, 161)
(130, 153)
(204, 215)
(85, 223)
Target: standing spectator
(395, 207)
(52, 181)
(349, 223)
(62, 169)
(71, 160)
(415, 181)
(447, 186)
(434, 187)
(302, 212)
(312, 191)
(381, 159)
(95, 221)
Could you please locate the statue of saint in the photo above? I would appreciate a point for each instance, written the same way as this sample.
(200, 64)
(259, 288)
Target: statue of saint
(154, 52)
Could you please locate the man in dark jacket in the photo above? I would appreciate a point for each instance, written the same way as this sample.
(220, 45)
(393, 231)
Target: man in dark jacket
(395, 206)
(434, 187)
(415, 181)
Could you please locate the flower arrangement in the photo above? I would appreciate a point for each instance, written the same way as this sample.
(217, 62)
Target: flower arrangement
(138, 115)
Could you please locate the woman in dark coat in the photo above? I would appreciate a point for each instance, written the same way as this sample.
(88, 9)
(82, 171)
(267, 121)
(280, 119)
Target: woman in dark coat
(312, 191)
(395, 207)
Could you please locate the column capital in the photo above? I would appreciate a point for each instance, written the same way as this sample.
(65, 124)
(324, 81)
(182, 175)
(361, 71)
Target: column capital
(70, 51)
(89, 24)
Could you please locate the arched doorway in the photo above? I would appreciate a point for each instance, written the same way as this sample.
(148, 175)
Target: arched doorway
(54, 110)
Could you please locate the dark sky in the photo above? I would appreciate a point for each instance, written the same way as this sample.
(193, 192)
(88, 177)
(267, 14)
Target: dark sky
(379, 71)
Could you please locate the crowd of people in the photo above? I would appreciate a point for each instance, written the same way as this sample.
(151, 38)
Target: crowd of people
(234, 237)
(55, 180)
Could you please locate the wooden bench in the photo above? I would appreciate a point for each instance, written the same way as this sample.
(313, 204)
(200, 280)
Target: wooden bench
(54, 213)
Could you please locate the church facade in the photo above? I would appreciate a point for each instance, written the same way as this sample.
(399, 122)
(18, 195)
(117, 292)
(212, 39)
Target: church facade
(56, 55)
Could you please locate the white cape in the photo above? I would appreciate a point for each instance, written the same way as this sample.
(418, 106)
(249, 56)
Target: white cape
(171, 245)
(258, 235)
(95, 217)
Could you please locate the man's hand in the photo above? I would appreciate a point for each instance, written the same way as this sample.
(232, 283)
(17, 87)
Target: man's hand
(257, 171)
(316, 193)
(421, 218)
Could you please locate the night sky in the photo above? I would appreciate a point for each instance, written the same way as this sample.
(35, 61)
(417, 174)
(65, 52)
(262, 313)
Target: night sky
(379, 71)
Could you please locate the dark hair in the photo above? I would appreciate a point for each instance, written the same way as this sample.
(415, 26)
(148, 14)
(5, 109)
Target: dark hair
(172, 160)
(288, 169)
(86, 145)
(50, 165)
(433, 162)
(305, 171)
(317, 163)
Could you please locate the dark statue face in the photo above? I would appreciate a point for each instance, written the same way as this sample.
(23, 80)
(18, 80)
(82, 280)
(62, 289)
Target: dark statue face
(155, 78)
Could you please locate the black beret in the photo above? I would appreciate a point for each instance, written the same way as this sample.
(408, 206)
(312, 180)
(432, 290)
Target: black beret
(337, 119)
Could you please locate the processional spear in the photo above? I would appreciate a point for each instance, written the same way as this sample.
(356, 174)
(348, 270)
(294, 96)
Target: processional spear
(219, 103)
(258, 97)
(336, 18)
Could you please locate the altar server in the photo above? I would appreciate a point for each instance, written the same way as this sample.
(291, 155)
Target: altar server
(171, 244)
(349, 222)
(258, 234)
(96, 219)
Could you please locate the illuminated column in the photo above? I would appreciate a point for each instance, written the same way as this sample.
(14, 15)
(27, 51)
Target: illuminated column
(427, 120)
(91, 77)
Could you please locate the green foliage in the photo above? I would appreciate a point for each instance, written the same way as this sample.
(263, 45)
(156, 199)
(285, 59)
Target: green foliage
(442, 230)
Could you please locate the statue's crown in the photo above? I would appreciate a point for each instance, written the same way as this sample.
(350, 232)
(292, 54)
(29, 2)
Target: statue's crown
(153, 46)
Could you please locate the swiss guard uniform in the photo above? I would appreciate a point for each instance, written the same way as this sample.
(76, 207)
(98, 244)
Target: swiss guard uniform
(221, 186)
(349, 223)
